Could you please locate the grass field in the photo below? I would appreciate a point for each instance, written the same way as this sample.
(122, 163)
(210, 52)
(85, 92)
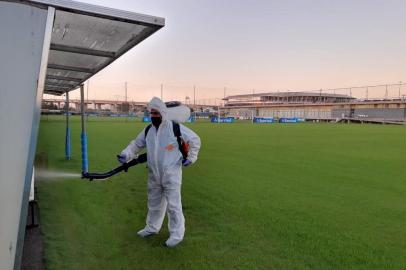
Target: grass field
(278, 196)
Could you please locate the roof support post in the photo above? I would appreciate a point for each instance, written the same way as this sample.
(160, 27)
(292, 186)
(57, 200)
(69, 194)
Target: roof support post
(83, 136)
(67, 136)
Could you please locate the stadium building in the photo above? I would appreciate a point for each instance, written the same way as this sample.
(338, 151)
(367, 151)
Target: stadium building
(315, 106)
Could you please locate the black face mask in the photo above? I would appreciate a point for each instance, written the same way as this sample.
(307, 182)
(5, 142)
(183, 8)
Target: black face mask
(156, 121)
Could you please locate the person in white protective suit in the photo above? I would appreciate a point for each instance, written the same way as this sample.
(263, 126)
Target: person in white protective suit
(164, 170)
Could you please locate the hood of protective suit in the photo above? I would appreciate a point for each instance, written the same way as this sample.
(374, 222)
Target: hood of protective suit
(178, 114)
(159, 105)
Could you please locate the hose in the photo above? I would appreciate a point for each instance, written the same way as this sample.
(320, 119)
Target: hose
(103, 176)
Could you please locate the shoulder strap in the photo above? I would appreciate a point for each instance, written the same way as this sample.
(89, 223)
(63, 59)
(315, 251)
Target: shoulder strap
(178, 135)
(176, 129)
(146, 130)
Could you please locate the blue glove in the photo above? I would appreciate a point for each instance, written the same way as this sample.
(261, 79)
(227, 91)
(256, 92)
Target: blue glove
(122, 158)
(186, 162)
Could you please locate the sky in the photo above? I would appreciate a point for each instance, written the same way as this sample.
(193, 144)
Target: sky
(237, 47)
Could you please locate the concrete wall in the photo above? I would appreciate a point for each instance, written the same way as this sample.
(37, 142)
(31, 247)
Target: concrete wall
(22, 29)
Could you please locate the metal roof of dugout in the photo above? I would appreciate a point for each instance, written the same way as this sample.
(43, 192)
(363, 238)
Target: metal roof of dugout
(86, 38)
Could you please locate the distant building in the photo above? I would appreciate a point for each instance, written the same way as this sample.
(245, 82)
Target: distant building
(312, 106)
(285, 97)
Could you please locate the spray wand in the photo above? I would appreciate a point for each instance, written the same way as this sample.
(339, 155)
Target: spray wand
(103, 176)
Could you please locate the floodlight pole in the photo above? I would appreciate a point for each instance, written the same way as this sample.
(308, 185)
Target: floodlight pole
(194, 101)
(67, 137)
(83, 136)
(218, 112)
(253, 104)
(127, 111)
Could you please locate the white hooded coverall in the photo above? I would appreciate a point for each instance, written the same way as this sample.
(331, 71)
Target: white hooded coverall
(165, 170)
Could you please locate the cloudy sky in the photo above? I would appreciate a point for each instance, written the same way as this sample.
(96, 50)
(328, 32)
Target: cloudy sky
(260, 46)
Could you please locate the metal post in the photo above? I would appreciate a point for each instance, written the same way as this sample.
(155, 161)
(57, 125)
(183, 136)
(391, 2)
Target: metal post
(194, 101)
(224, 100)
(87, 98)
(218, 111)
(127, 111)
(67, 136)
(83, 136)
(253, 103)
(125, 94)
(400, 85)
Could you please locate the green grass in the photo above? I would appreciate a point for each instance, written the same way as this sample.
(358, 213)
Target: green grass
(279, 196)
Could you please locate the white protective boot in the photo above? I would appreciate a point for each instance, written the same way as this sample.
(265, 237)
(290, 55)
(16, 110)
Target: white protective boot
(172, 242)
(145, 233)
